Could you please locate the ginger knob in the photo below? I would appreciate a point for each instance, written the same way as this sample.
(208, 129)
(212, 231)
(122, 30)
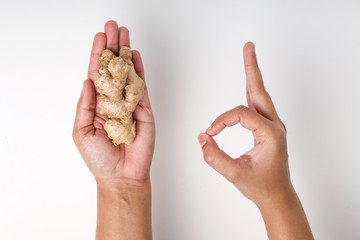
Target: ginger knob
(120, 90)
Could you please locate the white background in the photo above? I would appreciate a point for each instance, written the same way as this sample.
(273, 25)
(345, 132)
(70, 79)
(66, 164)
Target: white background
(309, 55)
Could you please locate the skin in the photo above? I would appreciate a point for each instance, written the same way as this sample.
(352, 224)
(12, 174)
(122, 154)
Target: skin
(121, 172)
(261, 174)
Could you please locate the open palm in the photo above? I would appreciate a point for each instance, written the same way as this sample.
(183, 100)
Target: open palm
(105, 160)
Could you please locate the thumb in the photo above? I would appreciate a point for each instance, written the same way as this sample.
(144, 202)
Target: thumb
(85, 111)
(217, 158)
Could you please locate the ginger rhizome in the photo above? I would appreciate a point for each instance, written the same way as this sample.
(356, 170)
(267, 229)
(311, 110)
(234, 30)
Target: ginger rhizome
(120, 90)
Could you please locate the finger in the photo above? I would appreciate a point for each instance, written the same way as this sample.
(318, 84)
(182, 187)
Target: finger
(253, 75)
(139, 68)
(124, 37)
(217, 158)
(99, 45)
(258, 98)
(85, 111)
(248, 118)
(138, 64)
(112, 36)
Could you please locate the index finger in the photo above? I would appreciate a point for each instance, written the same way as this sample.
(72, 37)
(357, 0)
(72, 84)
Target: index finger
(248, 118)
(99, 45)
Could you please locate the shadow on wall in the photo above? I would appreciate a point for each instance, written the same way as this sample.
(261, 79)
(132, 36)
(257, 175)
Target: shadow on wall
(321, 141)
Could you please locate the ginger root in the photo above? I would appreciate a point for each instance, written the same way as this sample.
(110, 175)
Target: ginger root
(120, 90)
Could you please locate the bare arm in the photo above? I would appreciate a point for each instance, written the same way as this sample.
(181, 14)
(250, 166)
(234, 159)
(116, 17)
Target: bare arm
(124, 210)
(284, 217)
(261, 174)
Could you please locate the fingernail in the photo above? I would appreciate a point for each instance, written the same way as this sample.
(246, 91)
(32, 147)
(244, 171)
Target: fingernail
(202, 140)
(208, 129)
(254, 48)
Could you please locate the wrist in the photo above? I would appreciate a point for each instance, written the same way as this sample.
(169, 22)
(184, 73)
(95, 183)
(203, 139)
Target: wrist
(124, 208)
(122, 184)
(284, 216)
(278, 201)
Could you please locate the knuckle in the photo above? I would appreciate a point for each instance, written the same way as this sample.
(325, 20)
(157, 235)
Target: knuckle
(284, 127)
(233, 176)
(241, 108)
(257, 90)
(278, 132)
(210, 156)
(209, 159)
(74, 135)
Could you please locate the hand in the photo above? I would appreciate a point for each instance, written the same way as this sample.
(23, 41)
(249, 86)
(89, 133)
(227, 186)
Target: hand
(107, 162)
(262, 173)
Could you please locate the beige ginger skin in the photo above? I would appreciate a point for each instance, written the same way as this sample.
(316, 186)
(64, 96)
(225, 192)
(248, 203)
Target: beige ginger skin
(120, 90)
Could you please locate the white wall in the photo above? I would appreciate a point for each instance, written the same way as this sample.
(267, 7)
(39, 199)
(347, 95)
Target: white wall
(192, 50)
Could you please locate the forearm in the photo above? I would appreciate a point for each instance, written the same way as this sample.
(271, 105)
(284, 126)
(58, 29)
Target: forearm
(285, 218)
(124, 210)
